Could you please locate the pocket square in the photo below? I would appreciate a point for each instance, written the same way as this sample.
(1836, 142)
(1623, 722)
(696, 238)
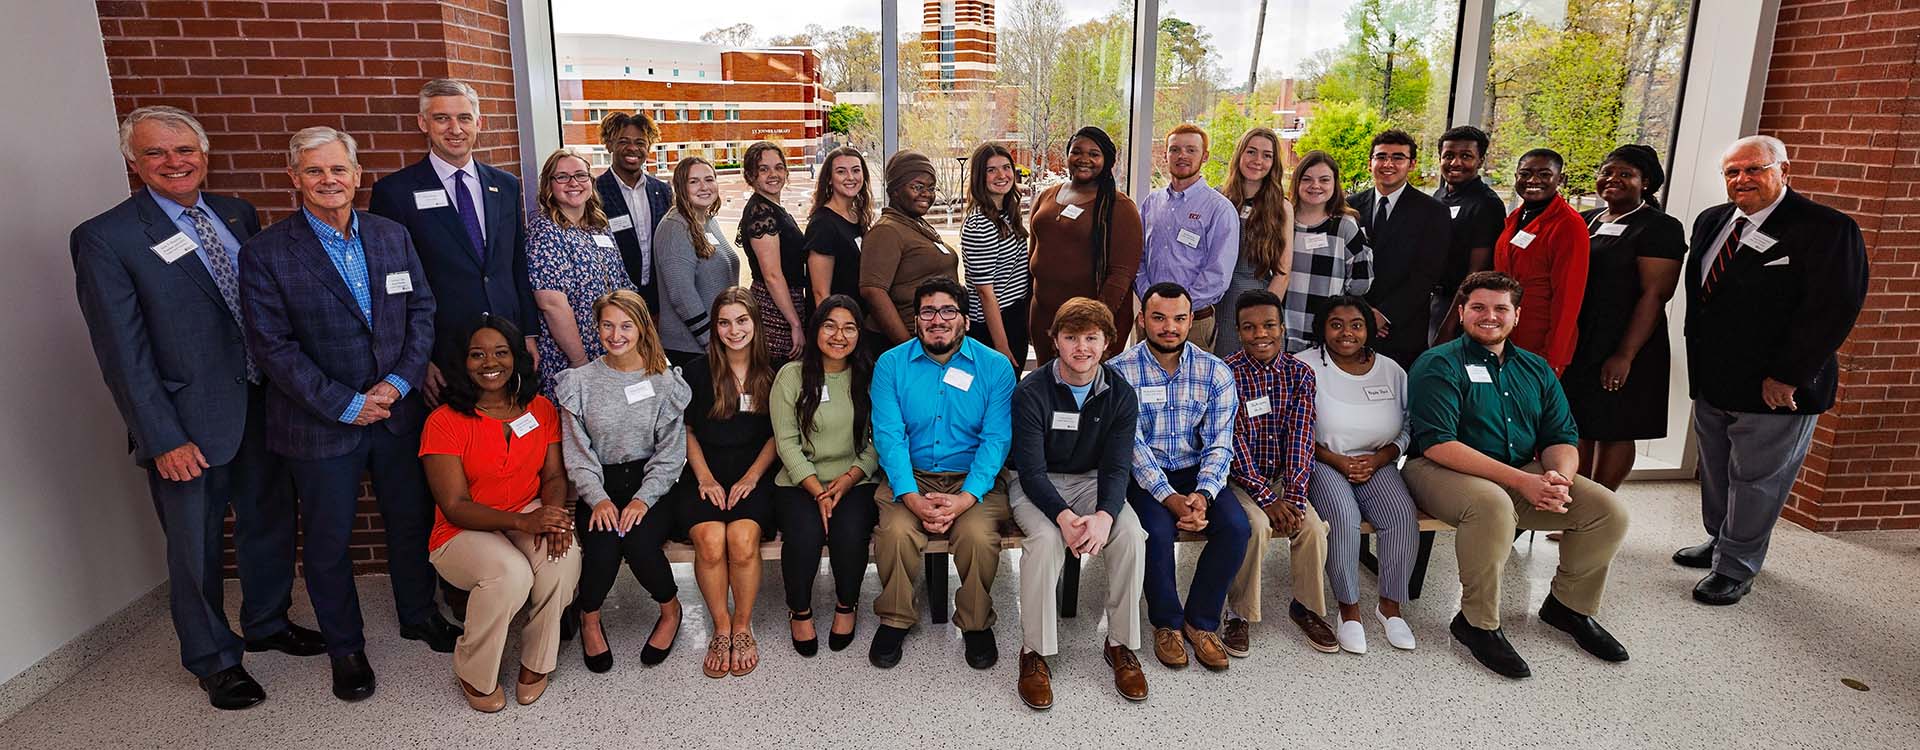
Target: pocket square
(1781, 261)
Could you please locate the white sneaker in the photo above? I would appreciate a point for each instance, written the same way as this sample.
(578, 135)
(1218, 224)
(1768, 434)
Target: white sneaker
(1353, 637)
(1398, 633)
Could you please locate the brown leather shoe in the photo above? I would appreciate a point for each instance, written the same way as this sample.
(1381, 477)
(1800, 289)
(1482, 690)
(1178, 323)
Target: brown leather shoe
(1207, 648)
(485, 704)
(1168, 648)
(1237, 637)
(1319, 634)
(1127, 677)
(528, 692)
(1036, 681)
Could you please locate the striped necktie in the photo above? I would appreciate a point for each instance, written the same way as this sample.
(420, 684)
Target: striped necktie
(1725, 258)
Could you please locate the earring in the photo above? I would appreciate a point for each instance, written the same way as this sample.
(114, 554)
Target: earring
(516, 383)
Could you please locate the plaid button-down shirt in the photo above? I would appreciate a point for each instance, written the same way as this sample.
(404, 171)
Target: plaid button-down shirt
(1278, 444)
(1186, 418)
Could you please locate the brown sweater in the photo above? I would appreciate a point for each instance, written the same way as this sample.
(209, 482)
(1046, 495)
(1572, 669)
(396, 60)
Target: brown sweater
(1063, 265)
(898, 255)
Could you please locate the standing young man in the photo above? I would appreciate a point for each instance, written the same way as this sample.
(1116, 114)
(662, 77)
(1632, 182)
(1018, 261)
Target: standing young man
(1409, 233)
(1192, 233)
(634, 200)
(1477, 215)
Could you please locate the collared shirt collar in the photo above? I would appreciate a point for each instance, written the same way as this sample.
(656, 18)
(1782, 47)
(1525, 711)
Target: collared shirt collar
(1198, 185)
(915, 350)
(174, 210)
(639, 180)
(445, 171)
(1099, 377)
(1760, 217)
(326, 230)
(1389, 197)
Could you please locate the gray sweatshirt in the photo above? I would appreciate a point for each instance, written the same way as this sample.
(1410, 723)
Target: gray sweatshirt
(605, 423)
(688, 283)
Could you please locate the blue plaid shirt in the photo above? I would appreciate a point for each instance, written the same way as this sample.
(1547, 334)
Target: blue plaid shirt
(350, 259)
(1186, 418)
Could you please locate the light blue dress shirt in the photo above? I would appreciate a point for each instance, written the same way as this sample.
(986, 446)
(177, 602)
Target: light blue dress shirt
(350, 259)
(177, 213)
(922, 420)
(1204, 268)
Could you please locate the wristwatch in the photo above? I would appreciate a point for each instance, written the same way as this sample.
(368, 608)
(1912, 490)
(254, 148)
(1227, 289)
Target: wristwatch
(1205, 494)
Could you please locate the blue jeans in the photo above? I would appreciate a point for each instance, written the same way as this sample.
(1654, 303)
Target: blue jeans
(1226, 533)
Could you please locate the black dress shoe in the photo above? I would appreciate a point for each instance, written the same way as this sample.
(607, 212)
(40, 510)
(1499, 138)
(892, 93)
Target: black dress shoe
(352, 677)
(809, 646)
(886, 649)
(600, 662)
(294, 641)
(438, 634)
(232, 689)
(1720, 591)
(1490, 648)
(1697, 556)
(650, 654)
(840, 641)
(1595, 639)
(982, 652)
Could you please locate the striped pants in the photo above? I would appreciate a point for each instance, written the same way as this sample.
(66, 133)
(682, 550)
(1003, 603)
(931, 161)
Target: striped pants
(1382, 501)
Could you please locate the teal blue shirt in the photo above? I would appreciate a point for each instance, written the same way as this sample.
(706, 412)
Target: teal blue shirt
(1511, 409)
(923, 418)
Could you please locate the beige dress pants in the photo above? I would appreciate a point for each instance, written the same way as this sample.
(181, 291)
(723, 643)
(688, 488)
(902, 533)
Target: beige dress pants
(1044, 554)
(1307, 561)
(900, 546)
(506, 570)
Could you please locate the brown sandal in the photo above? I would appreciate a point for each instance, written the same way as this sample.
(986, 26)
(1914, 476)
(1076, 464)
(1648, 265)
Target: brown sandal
(720, 646)
(744, 644)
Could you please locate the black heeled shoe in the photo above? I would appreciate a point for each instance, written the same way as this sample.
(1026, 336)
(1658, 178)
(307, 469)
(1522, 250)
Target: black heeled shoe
(840, 641)
(809, 646)
(651, 655)
(602, 661)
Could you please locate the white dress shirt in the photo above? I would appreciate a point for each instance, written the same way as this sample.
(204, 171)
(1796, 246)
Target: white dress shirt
(1385, 199)
(445, 172)
(642, 212)
(1754, 221)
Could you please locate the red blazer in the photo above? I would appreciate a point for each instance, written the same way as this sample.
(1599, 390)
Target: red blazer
(1552, 270)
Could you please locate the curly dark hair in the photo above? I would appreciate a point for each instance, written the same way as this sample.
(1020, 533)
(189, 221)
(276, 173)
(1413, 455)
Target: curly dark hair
(461, 393)
(1318, 334)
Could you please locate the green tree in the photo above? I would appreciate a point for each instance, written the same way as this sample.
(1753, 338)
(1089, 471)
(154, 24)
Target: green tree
(1384, 63)
(1229, 120)
(1186, 55)
(1345, 131)
(843, 118)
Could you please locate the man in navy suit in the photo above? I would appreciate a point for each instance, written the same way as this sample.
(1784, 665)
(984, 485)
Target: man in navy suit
(338, 317)
(157, 285)
(1774, 283)
(635, 201)
(1410, 233)
(466, 220)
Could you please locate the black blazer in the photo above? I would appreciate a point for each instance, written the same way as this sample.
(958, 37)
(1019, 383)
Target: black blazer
(464, 286)
(1409, 256)
(170, 350)
(659, 200)
(1781, 313)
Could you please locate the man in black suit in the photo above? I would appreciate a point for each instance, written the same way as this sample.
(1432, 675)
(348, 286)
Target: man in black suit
(466, 220)
(156, 276)
(1409, 232)
(1774, 283)
(631, 218)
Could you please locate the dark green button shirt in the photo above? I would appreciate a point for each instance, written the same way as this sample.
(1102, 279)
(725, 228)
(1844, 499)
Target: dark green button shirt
(1510, 410)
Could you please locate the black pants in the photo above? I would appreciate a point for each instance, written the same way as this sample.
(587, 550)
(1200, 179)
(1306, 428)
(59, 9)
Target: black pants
(602, 551)
(847, 535)
(1014, 318)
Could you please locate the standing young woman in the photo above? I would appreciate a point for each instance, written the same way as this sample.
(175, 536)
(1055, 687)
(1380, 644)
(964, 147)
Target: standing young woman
(1329, 255)
(723, 498)
(776, 251)
(1266, 224)
(571, 261)
(824, 491)
(625, 447)
(692, 260)
(842, 210)
(1086, 241)
(993, 245)
(902, 251)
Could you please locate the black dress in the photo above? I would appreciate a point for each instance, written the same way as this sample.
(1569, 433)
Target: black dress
(833, 236)
(730, 447)
(763, 218)
(1638, 411)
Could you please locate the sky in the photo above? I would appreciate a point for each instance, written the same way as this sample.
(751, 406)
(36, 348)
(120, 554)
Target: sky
(1295, 28)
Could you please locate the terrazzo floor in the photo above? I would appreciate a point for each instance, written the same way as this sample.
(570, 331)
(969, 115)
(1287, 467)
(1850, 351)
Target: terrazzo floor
(1766, 673)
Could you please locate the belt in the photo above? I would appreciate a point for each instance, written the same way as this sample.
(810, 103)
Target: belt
(1204, 313)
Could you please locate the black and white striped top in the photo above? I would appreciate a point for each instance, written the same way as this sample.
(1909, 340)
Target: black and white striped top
(993, 259)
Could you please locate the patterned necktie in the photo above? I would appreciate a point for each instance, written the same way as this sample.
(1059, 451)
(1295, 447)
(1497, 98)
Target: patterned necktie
(463, 202)
(1725, 258)
(222, 266)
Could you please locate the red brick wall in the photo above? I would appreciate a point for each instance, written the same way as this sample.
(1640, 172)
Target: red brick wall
(1841, 92)
(255, 71)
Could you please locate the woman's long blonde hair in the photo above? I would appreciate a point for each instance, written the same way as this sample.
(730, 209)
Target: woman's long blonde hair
(683, 202)
(652, 354)
(594, 217)
(1265, 235)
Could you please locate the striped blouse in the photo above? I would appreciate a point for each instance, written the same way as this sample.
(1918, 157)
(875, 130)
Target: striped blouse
(992, 259)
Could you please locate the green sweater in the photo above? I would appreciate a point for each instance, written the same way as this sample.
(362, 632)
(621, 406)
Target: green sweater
(827, 452)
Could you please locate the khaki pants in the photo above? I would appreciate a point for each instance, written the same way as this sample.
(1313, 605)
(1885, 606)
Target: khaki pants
(1487, 514)
(506, 571)
(900, 545)
(1045, 553)
(1307, 561)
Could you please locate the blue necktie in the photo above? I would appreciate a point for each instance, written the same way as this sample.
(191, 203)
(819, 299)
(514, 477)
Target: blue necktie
(463, 202)
(221, 264)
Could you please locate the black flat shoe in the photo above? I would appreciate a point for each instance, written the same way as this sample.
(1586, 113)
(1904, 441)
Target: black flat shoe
(232, 689)
(809, 646)
(651, 655)
(1697, 556)
(435, 631)
(569, 623)
(982, 652)
(1720, 591)
(840, 641)
(1490, 648)
(1585, 631)
(294, 641)
(600, 662)
(352, 677)
(886, 649)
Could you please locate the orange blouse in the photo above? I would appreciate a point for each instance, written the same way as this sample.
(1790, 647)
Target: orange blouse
(502, 473)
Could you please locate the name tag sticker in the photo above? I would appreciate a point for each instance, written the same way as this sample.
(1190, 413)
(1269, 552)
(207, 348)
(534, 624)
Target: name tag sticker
(856, 242)
(825, 395)
(746, 402)
(1316, 241)
(603, 240)
(1071, 212)
(1385, 392)
(1522, 239)
(958, 378)
(620, 223)
(639, 392)
(399, 282)
(1479, 374)
(177, 245)
(1246, 211)
(1611, 229)
(1189, 238)
(1453, 211)
(1260, 407)
(525, 424)
(715, 239)
(943, 248)
(1153, 394)
(1758, 240)
(425, 199)
(1066, 420)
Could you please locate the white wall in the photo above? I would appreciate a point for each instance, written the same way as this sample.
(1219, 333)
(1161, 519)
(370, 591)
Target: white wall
(78, 535)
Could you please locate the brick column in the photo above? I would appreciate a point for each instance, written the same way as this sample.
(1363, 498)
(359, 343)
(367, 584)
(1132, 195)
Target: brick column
(1841, 92)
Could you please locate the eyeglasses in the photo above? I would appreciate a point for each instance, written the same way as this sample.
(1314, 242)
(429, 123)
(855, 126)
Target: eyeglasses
(1394, 158)
(565, 178)
(920, 188)
(1734, 173)
(944, 313)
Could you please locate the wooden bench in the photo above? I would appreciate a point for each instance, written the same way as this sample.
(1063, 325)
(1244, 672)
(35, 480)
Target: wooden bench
(938, 600)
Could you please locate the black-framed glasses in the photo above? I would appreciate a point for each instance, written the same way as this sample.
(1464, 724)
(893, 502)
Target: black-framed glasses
(948, 312)
(568, 177)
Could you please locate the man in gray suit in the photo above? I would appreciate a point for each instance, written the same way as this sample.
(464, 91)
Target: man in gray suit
(158, 286)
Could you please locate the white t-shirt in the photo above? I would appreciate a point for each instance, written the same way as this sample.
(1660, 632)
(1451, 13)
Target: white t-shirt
(1357, 414)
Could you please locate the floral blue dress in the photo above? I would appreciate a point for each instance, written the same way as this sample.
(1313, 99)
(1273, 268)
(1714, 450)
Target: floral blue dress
(582, 264)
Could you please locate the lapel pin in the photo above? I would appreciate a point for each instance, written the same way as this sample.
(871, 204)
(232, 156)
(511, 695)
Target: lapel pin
(492, 189)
